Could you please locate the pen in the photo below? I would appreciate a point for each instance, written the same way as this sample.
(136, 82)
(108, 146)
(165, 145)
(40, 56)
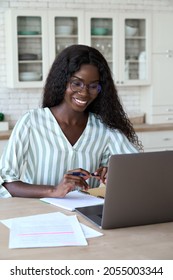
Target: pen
(77, 174)
(80, 174)
(92, 174)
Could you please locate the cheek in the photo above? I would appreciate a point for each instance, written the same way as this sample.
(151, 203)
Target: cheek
(68, 93)
(68, 89)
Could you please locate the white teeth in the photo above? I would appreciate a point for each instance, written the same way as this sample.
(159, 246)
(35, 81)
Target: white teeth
(80, 101)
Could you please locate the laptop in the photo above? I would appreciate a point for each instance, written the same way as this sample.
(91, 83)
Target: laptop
(139, 191)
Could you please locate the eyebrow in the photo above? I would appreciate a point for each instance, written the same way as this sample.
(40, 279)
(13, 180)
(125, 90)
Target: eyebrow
(83, 79)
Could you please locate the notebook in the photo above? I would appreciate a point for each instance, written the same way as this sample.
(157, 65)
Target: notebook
(139, 191)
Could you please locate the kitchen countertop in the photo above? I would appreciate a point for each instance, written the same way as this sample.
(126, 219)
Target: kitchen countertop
(4, 135)
(152, 127)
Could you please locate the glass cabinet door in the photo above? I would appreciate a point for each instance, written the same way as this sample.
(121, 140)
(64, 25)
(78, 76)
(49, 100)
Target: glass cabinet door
(101, 30)
(26, 48)
(135, 49)
(64, 31)
(136, 53)
(29, 40)
(124, 40)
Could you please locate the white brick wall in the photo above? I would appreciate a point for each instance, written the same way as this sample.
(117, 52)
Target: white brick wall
(15, 102)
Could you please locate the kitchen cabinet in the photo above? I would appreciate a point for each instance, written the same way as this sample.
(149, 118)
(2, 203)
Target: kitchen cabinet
(33, 39)
(162, 98)
(157, 140)
(125, 41)
(162, 41)
(26, 48)
(160, 102)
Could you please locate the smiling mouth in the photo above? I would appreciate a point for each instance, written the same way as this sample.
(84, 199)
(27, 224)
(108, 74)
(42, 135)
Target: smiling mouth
(80, 102)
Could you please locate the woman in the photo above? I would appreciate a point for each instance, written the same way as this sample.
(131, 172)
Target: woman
(80, 125)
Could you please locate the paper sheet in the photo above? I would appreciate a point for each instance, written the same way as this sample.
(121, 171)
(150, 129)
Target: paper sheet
(73, 200)
(64, 231)
(98, 192)
(88, 232)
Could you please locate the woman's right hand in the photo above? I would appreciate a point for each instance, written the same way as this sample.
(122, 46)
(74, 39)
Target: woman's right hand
(70, 182)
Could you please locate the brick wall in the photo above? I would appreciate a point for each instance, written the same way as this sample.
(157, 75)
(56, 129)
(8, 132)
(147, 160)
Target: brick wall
(15, 102)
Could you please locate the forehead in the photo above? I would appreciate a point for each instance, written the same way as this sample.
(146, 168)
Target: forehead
(88, 73)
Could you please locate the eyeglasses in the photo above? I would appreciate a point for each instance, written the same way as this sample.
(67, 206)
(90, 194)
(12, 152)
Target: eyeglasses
(77, 85)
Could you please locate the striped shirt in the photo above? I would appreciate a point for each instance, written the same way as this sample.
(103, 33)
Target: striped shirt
(39, 147)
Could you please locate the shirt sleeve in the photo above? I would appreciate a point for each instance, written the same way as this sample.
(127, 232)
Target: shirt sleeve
(15, 154)
(117, 143)
(3, 191)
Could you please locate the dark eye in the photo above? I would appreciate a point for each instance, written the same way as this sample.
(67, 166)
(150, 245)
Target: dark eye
(93, 86)
(77, 83)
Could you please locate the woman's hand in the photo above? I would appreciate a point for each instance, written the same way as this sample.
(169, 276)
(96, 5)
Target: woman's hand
(70, 181)
(101, 174)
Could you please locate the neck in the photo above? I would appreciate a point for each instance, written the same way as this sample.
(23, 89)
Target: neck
(69, 117)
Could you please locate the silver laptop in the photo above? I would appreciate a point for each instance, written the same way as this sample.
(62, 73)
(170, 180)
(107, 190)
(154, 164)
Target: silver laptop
(139, 191)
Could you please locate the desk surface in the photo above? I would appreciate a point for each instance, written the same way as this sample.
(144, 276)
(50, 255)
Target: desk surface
(143, 242)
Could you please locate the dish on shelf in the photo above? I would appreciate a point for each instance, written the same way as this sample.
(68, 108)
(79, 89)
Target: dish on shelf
(64, 29)
(130, 31)
(28, 32)
(99, 31)
(29, 76)
(28, 56)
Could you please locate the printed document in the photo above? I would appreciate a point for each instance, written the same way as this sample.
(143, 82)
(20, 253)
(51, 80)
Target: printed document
(64, 231)
(87, 231)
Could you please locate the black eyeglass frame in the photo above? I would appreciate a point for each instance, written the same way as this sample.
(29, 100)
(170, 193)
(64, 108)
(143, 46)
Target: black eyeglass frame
(83, 85)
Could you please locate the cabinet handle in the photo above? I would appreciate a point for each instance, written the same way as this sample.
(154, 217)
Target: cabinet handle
(169, 110)
(169, 53)
(167, 139)
(118, 82)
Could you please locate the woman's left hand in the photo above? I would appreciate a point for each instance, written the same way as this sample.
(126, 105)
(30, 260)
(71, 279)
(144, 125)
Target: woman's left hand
(101, 174)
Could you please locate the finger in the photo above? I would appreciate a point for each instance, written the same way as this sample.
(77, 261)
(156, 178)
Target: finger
(103, 174)
(80, 171)
(86, 187)
(77, 181)
(82, 184)
(95, 175)
(100, 173)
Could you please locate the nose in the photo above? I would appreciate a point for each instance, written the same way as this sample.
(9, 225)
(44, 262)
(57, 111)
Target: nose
(84, 90)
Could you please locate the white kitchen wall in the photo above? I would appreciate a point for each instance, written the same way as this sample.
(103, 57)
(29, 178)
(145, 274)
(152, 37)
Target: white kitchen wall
(15, 102)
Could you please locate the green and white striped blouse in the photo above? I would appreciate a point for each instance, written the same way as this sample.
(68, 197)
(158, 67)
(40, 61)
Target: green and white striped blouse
(38, 144)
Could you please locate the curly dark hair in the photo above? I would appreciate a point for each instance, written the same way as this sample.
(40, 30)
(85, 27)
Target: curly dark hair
(107, 106)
